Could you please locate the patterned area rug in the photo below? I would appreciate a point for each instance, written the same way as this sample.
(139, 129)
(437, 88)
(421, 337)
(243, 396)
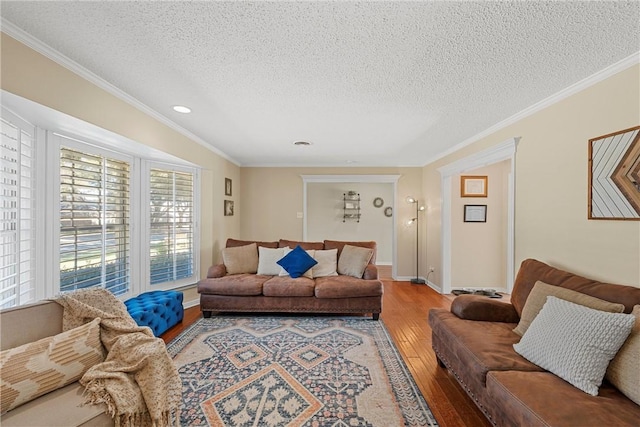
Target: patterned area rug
(294, 371)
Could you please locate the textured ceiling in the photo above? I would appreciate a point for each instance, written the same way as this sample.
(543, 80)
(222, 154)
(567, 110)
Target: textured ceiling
(374, 83)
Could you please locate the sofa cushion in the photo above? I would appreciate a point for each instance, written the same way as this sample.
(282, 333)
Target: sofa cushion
(232, 243)
(268, 260)
(353, 260)
(538, 297)
(346, 287)
(36, 368)
(475, 347)
(286, 286)
(525, 400)
(575, 342)
(241, 259)
(624, 370)
(46, 410)
(304, 245)
(235, 284)
(339, 245)
(297, 262)
(327, 263)
(532, 270)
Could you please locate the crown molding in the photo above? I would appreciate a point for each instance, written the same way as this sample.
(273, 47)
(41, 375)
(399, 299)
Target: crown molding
(49, 52)
(583, 84)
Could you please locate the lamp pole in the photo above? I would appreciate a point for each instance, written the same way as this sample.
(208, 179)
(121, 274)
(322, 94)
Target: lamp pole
(417, 280)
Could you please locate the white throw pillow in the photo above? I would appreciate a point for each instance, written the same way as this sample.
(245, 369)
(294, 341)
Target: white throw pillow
(327, 263)
(267, 258)
(575, 342)
(624, 370)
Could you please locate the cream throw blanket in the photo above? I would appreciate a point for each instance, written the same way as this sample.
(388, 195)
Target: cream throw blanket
(137, 381)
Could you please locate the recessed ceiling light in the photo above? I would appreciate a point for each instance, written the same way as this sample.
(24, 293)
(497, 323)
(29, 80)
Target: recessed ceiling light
(181, 109)
(302, 143)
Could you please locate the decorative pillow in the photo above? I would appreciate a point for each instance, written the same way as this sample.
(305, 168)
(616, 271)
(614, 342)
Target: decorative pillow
(267, 260)
(575, 342)
(624, 369)
(327, 263)
(353, 260)
(297, 262)
(36, 368)
(309, 272)
(538, 296)
(241, 259)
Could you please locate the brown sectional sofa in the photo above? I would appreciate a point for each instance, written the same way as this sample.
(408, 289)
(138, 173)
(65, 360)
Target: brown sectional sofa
(474, 341)
(245, 292)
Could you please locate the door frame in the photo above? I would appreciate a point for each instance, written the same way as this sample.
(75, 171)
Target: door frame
(498, 153)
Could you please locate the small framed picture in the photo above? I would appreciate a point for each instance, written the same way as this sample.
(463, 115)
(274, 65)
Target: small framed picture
(227, 187)
(475, 213)
(473, 186)
(228, 208)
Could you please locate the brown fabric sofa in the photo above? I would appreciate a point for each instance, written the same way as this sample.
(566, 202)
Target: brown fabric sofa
(62, 407)
(222, 292)
(474, 340)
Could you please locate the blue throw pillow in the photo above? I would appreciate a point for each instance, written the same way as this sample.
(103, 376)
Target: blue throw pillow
(297, 262)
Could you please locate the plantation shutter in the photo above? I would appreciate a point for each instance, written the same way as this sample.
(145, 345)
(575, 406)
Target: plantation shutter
(171, 226)
(17, 227)
(94, 222)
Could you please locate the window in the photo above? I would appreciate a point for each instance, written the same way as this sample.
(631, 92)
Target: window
(94, 222)
(171, 225)
(90, 208)
(17, 226)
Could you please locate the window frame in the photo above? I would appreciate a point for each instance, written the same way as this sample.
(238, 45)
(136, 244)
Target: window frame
(145, 227)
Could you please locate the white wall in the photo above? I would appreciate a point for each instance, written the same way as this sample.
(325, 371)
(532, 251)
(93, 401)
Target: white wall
(325, 215)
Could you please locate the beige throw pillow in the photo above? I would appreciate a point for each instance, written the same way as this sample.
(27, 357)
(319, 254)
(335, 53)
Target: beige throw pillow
(538, 296)
(575, 342)
(353, 260)
(267, 260)
(327, 263)
(241, 259)
(624, 370)
(36, 368)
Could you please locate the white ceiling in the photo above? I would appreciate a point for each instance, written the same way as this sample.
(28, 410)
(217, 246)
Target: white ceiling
(373, 83)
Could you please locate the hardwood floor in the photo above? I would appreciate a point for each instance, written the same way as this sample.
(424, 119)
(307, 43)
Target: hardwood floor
(405, 309)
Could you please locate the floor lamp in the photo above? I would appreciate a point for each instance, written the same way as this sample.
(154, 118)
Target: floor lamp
(419, 208)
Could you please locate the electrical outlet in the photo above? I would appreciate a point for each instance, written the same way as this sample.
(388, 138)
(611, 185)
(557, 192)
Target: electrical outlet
(431, 269)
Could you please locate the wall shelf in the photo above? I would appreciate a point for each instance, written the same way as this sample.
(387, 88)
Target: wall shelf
(351, 206)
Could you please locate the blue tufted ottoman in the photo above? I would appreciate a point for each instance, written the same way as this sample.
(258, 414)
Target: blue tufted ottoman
(158, 310)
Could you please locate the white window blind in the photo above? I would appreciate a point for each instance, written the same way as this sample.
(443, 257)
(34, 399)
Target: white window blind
(172, 250)
(94, 222)
(17, 227)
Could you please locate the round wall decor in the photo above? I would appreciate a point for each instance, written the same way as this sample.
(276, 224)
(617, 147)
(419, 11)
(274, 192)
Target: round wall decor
(378, 202)
(388, 211)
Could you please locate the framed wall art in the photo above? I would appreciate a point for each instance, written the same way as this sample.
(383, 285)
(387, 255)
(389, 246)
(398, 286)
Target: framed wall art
(228, 208)
(473, 186)
(614, 176)
(475, 213)
(227, 187)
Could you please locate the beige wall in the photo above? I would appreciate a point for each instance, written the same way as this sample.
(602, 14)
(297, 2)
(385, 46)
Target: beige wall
(551, 183)
(478, 249)
(272, 197)
(30, 75)
(325, 215)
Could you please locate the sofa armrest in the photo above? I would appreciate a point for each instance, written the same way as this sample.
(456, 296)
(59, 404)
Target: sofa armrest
(370, 272)
(476, 307)
(217, 270)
